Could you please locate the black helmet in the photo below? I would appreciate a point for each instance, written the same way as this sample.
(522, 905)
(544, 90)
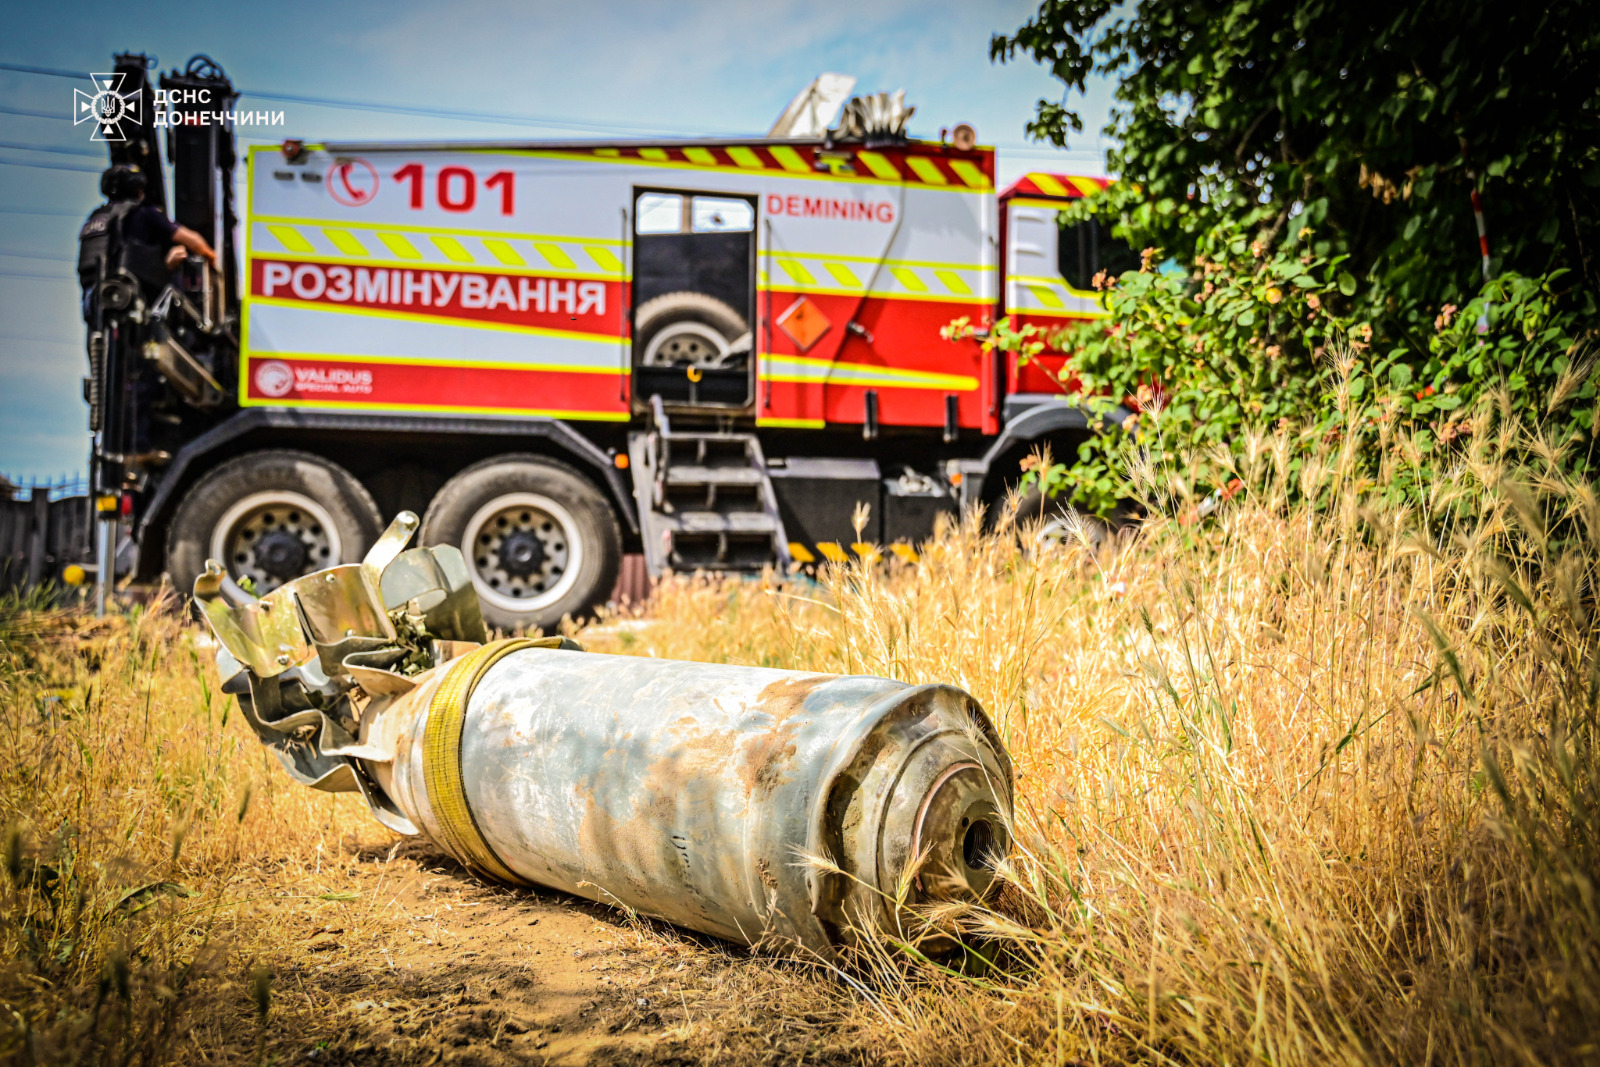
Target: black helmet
(122, 182)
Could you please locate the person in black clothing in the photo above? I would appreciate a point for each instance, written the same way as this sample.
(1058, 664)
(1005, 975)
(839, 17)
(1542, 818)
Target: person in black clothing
(125, 239)
(147, 243)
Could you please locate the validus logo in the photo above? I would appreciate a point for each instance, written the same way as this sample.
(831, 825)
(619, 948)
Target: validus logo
(275, 378)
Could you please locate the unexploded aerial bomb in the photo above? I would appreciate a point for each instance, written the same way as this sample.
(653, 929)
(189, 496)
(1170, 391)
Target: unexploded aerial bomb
(776, 808)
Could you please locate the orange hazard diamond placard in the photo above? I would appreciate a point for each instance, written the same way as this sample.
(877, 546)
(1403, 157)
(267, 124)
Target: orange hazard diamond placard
(804, 322)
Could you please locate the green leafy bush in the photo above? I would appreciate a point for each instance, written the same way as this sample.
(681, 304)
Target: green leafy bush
(1532, 335)
(1257, 334)
(1377, 125)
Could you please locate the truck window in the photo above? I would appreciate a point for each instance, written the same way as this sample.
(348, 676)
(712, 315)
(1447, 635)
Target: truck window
(665, 213)
(660, 213)
(715, 214)
(1086, 248)
(694, 297)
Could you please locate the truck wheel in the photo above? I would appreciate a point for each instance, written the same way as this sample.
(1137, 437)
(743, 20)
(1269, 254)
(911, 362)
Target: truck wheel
(1057, 523)
(540, 540)
(690, 329)
(271, 517)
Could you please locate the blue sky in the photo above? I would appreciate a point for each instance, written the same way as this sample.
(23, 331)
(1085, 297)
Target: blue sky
(598, 68)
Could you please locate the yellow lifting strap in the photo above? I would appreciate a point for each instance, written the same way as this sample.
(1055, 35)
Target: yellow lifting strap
(441, 755)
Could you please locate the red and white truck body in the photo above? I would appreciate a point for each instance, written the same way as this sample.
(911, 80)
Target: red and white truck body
(498, 280)
(719, 354)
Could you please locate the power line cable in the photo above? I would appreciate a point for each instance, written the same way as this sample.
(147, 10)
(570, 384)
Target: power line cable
(31, 255)
(53, 72)
(1046, 150)
(494, 117)
(37, 211)
(38, 340)
(19, 146)
(29, 113)
(50, 166)
(28, 274)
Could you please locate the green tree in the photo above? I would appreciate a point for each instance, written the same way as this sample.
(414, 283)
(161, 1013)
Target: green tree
(1369, 125)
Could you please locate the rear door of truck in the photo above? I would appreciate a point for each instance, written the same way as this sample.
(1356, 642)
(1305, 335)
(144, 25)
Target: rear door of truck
(861, 267)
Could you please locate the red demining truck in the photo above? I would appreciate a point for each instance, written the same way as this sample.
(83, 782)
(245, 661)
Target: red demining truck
(710, 352)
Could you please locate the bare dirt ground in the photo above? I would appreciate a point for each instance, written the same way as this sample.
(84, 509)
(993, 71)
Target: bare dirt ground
(426, 965)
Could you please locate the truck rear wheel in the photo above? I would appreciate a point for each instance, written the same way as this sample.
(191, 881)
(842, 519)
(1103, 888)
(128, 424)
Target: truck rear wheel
(540, 540)
(1053, 521)
(271, 517)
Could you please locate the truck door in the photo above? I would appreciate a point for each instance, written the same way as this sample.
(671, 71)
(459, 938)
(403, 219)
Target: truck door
(828, 285)
(694, 292)
(1050, 281)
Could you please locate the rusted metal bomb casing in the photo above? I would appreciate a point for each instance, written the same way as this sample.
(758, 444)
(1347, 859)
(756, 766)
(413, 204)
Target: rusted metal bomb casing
(770, 807)
(697, 793)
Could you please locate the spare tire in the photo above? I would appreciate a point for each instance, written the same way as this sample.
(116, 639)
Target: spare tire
(689, 329)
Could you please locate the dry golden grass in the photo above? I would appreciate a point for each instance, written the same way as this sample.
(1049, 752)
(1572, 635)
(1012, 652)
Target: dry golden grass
(151, 844)
(1295, 785)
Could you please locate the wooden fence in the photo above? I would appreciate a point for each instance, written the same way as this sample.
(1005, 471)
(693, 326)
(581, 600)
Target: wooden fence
(44, 527)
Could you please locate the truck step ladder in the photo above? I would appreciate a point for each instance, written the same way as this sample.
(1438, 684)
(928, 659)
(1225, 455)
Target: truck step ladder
(705, 501)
